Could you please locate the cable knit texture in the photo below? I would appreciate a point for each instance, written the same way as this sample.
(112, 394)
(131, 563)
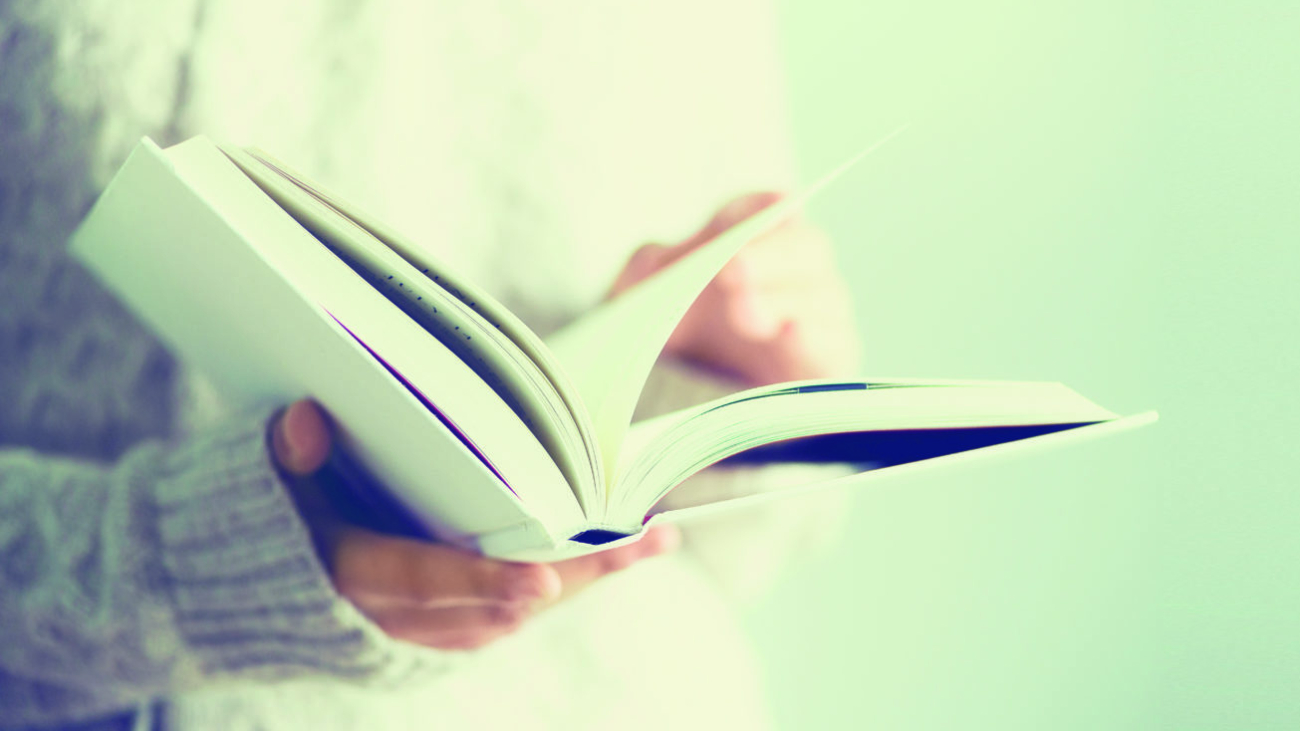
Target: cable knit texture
(183, 563)
(76, 373)
(127, 569)
(147, 549)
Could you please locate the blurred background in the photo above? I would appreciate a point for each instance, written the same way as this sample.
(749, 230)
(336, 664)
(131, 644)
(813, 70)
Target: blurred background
(1105, 194)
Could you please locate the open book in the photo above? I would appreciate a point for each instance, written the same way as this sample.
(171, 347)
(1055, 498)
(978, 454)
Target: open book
(473, 428)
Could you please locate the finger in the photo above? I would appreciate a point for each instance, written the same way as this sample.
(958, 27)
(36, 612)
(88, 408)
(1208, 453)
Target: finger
(808, 301)
(301, 438)
(729, 215)
(391, 571)
(779, 261)
(796, 353)
(579, 572)
(645, 261)
(782, 359)
(793, 254)
(749, 311)
(469, 640)
(451, 627)
(754, 308)
(661, 539)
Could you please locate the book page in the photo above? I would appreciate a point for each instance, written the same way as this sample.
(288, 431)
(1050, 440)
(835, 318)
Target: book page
(481, 332)
(877, 422)
(233, 285)
(984, 454)
(609, 352)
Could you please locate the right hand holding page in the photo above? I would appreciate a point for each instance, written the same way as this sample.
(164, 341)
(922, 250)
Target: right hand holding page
(779, 311)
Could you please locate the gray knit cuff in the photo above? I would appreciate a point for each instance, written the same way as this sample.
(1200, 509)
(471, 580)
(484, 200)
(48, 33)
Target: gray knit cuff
(250, 596)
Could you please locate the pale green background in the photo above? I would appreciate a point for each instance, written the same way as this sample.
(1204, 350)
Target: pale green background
(1105, 194)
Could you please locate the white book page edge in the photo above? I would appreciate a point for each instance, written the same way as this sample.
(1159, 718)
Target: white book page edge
(991, 453)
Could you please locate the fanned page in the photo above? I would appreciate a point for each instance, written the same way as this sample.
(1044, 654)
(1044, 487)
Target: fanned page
(874, 423)
(236, 287)
(608, 353)
(508, 356)
(974, 445)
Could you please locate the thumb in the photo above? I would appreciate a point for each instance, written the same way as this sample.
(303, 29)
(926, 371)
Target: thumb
(301, 439)
(644, 261)
(735, 211)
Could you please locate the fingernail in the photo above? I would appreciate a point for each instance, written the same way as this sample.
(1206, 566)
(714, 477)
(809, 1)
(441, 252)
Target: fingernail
(296, 432)
(285, 450)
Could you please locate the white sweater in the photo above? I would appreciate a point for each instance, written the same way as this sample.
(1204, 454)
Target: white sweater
(531, 145)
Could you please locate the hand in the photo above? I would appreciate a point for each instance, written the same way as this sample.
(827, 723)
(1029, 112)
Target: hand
(426, 593)
(778, 311)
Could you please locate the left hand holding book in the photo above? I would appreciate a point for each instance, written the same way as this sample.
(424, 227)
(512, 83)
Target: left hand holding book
(447, 598)
(429, 594)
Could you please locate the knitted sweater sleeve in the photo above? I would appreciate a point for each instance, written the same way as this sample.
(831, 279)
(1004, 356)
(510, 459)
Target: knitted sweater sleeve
(177, 565)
